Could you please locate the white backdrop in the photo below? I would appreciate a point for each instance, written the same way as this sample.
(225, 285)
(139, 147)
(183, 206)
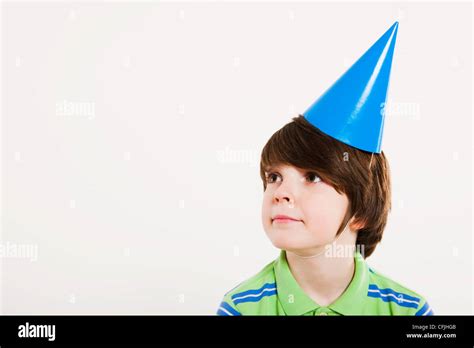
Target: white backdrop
(131, 135)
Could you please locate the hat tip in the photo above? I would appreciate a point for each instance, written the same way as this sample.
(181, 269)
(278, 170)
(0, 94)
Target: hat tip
(393, 29)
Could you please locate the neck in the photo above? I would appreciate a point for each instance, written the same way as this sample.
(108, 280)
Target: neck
(324, 277)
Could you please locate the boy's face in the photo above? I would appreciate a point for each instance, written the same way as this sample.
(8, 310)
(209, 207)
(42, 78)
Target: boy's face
(316, 207)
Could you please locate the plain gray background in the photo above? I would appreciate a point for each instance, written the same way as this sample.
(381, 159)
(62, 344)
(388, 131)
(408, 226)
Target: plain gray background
(131, 135)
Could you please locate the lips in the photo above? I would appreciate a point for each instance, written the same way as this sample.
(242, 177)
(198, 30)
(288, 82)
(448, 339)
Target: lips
(284, 218)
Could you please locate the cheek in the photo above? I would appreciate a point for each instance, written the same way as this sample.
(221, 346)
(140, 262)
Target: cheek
(325, 211)
(322, 211)
(319, 223)
(266, 209)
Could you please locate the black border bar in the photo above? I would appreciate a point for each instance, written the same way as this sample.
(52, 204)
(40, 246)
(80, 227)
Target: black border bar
(134, 330)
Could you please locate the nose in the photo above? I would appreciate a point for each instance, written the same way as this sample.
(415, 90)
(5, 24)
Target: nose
(283, 194)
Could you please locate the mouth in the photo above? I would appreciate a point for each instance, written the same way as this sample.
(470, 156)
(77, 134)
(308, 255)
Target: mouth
(284, 219)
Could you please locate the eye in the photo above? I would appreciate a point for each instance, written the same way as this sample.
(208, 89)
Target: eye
(272, 177)
(313, 177)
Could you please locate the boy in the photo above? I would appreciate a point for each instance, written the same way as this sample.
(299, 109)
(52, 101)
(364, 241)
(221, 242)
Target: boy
(325, 205)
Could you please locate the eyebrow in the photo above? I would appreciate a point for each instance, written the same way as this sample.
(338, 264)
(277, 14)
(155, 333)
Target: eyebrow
(271, 167)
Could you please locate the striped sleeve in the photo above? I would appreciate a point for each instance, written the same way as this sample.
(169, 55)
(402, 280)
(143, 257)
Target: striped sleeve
(424, 309)
(227, 307)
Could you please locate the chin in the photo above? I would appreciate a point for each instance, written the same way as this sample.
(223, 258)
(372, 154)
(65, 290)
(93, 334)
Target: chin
(287, 241)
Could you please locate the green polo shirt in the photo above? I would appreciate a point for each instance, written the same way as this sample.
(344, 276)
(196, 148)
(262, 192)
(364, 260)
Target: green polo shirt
(274, 291)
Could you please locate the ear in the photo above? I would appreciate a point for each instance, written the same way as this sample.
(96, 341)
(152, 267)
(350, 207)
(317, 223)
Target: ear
(356, 224)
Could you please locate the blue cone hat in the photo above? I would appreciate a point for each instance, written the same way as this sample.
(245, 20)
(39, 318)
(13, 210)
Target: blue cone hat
(352, 109)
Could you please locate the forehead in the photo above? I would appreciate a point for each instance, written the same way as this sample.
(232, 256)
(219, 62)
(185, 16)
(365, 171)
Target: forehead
(282, 167)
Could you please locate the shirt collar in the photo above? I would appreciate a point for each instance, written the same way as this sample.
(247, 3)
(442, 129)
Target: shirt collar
(295, 301)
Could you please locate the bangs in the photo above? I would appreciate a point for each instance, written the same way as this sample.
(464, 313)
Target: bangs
(302, 145)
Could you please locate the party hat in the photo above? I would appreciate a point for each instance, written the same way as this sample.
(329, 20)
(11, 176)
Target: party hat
(352, 109)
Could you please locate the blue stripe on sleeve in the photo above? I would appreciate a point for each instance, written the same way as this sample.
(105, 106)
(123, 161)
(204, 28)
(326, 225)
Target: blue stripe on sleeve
(226, 309)
(391, 299)
(390, 295)
(391, 291)
(255, 298)
(425, 310)
(254, 292)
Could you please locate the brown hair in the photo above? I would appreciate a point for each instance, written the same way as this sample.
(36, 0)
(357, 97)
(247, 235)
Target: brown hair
(364, 177)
